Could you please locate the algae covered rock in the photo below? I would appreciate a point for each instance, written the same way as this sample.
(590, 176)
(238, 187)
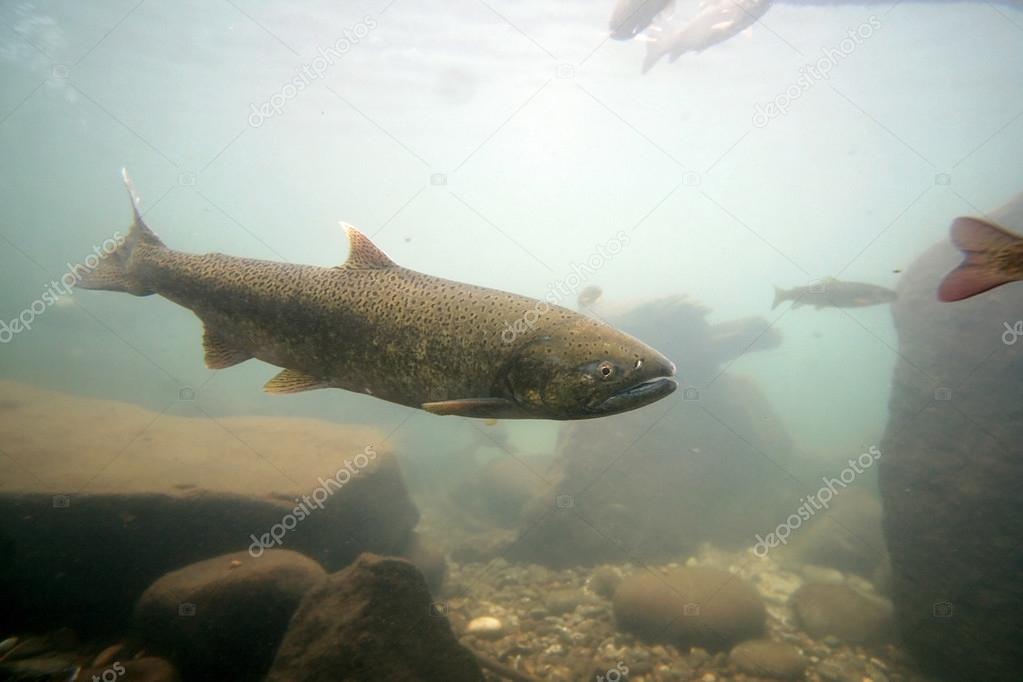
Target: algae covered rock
(689, 606)
(372, 621)
(159, 491)
(824, 609)
(650, 487)
(226, 615)
(768, 658)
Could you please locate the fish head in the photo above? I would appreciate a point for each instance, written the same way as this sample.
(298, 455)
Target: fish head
(582, 369)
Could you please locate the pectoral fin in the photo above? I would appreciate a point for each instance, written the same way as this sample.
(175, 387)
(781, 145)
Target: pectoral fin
(220, 353)
(486, 408)
(294, 381)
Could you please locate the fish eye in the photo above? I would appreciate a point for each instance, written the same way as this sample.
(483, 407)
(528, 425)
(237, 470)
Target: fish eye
(606, 369)
(639, 363)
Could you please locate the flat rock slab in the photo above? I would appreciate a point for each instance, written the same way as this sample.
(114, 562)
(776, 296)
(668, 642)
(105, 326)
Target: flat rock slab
(372, 621)
(98, 499)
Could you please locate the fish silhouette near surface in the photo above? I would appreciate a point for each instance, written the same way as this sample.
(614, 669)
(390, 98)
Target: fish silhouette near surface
(833, 293)
(993, 256)
(373, 327)
(716, 21)
(630, 17)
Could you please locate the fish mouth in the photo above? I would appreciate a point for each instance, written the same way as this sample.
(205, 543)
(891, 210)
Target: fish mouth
(638, 395)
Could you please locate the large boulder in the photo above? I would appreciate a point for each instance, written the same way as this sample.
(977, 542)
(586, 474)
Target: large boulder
(698, 466)
(430, 561)
(147, 669)
(847, 536)
(952, 472)
(97, 505)
(372, 621)
(825, 609)
(498, 490)
(223, 618)
(689, 606)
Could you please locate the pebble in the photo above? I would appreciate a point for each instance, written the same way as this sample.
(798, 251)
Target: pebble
(562, 601)
(8, 644)
(485, 627)
(26, 648)
(604, 581)
(107, 655)
(698, 656)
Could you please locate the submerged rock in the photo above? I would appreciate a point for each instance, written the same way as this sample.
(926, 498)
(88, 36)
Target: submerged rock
(501, 488)
(429, 560)
(372, 621)
(847, 536)
(28, 647)
(651, 488)
(952, 471)
(605, 581)
(40, 667)
(165, 491)
(108, 655)
(838, 610)
(768, 658)
(224, 617)
(147, 669)
(691, 605)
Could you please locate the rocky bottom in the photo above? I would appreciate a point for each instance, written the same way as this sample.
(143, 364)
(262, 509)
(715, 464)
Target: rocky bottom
(718, 616)
(560, 625)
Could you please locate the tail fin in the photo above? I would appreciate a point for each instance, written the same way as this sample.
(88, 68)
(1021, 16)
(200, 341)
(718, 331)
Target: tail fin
(113, 271)
(984, 267)
(779, 296)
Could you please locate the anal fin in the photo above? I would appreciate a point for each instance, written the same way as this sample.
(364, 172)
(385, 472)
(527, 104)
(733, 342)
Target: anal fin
(294, 381)
(220, 354)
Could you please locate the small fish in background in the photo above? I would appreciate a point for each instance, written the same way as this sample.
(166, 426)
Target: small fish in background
(630, 17)
(994, 256)
(373, 327)
(589, 296)
(717, 21)
(833, 293)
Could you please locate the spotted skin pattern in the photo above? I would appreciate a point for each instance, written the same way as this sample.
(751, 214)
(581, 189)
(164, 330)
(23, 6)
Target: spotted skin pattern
(374, 327)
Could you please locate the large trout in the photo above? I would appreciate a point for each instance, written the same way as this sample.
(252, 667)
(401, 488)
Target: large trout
(373, 327)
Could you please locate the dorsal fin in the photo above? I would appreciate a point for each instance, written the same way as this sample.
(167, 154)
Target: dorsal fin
(139, 229)
(363, 254)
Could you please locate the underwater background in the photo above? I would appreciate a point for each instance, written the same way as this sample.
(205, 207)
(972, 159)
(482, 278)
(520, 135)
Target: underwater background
(502, 144)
